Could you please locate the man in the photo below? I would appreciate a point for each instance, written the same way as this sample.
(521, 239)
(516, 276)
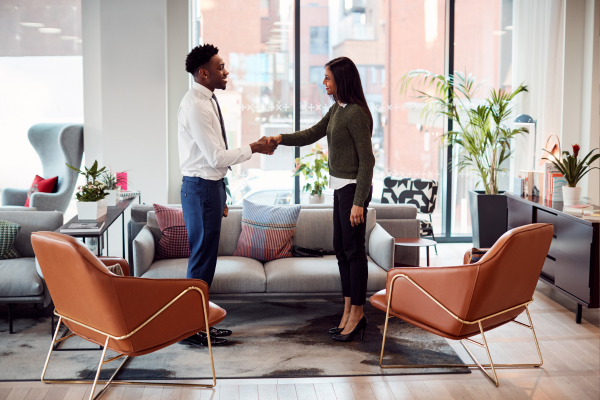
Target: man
(205, 158)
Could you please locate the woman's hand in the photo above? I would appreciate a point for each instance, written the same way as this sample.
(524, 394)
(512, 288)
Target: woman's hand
(356, 216)
(276, 139)
(226, 211)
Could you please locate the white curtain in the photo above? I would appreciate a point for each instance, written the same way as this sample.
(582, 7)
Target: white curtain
(538, 36)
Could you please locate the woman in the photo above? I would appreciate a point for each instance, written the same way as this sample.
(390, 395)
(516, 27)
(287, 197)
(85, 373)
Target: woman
(348, 126)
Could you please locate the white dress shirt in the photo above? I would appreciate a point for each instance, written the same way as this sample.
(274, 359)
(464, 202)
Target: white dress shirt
(202, 151)
(338, 183)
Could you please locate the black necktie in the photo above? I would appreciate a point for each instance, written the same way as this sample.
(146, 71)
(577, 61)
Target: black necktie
(222, 123)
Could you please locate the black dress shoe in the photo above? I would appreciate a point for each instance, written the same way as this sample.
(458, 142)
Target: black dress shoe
(335, 331)
(199, 339)
(360, 327)
(219, 332)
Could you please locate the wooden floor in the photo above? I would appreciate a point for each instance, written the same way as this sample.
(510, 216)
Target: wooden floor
(571, 367)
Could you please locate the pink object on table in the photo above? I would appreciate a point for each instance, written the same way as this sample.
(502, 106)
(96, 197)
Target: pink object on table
(122, 180)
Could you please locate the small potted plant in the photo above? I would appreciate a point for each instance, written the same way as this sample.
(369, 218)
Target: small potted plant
(315, 173)
(112, 187)
(573, 170)
(91, 202)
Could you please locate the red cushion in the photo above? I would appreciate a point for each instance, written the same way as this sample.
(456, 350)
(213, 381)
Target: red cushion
(41, 185)
(174, 240)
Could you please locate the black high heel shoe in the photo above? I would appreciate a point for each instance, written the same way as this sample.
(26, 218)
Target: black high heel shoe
(335, 331)
(360, 327)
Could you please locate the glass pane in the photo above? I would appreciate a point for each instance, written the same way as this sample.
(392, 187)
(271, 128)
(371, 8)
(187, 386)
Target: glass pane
(41, 76)
(258, 49)
(385, 40)
(483, 48)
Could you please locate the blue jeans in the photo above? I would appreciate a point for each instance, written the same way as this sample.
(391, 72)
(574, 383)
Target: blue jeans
(203, 203)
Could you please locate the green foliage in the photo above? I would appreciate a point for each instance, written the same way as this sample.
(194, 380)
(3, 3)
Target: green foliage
(93, 190)
(480, 136)
(109, 179)
(315, 171)
(90, 174)
(572, 169)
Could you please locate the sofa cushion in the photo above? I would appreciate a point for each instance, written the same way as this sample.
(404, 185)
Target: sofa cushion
(314, 275)
(8, 234)
(233, 274)
(19, 278)
(174, 240)
(31, 222)
(267, 231)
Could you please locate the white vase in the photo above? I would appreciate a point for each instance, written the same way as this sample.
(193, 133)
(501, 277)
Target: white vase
(571, 195)
(91, 210)
(113, 197)
(316, 199)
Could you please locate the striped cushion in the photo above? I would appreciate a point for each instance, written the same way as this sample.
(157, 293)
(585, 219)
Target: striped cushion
(174, 240)
(267, 231)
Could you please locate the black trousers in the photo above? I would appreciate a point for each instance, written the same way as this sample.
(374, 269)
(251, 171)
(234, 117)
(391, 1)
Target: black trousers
(349, 245)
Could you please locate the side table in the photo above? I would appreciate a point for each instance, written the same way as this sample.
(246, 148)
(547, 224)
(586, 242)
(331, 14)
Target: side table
(415, 242)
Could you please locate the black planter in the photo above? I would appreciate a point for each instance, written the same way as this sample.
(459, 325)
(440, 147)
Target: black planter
(489, 214)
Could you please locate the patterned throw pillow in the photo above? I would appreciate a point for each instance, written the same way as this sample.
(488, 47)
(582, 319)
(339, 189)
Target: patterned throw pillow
(8, 234)
(174, 240)
(267, 231)
(116, 269)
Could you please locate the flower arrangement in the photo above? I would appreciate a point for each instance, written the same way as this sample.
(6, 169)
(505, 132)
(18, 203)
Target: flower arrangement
(314, 171)
(93, 190)
(572, 168)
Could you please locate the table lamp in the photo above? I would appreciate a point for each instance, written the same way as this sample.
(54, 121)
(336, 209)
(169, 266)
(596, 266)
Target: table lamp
(525, 119)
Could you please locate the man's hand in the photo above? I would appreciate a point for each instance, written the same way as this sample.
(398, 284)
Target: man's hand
(264, 146)
(226, 211)
(356, 216)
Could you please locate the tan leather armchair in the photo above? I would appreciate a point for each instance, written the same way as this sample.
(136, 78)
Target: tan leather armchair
(467, 300)
(130, 316)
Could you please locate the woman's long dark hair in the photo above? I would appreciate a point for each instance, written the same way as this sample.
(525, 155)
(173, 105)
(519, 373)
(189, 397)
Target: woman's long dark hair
(349, 87)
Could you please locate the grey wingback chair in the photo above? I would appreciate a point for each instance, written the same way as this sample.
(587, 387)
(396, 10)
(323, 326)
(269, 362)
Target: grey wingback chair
(56, 144)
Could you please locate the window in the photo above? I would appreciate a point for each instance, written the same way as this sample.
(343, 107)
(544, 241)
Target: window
(259, 54)
(374, 75)
(319, 40)
(42, 80)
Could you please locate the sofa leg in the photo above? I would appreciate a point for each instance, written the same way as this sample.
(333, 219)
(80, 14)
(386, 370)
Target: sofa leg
(10, 320)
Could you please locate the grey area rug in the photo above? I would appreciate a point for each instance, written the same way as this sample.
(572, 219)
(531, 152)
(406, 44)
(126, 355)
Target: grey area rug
(272, 338)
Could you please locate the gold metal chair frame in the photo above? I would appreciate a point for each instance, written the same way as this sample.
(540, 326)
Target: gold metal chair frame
(109, 336)
(493, 377)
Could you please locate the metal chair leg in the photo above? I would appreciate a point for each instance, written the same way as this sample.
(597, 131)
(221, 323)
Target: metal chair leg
(432, 235)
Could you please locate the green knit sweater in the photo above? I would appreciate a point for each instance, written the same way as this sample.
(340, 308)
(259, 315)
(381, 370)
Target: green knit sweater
(348, 131)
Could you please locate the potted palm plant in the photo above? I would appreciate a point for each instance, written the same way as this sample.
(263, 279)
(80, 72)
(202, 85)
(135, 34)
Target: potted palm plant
(315, 173)
(481, 140)
(91, 202)
(573, 170)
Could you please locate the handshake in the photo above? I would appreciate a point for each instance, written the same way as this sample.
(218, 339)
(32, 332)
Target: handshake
(266, 145)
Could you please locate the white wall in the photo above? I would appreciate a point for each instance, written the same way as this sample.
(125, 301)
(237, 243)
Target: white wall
(125, 86)
(178, 83)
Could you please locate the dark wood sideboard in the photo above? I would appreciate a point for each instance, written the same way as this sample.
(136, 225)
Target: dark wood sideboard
(571, 266)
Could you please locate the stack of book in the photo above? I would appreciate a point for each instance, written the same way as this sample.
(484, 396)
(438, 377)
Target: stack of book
(553, 182)
(591, 215)
(127, 194)
(578, 210)
(83, 228)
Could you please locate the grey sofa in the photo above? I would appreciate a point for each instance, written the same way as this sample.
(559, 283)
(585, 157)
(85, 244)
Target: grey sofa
(240, 275)
(56, 144)
(21, 280)
(399, 220)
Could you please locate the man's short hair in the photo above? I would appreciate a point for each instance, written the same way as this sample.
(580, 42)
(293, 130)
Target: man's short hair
(198, 57)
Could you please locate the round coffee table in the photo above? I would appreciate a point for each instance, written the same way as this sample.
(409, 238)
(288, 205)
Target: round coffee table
(414, 242)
